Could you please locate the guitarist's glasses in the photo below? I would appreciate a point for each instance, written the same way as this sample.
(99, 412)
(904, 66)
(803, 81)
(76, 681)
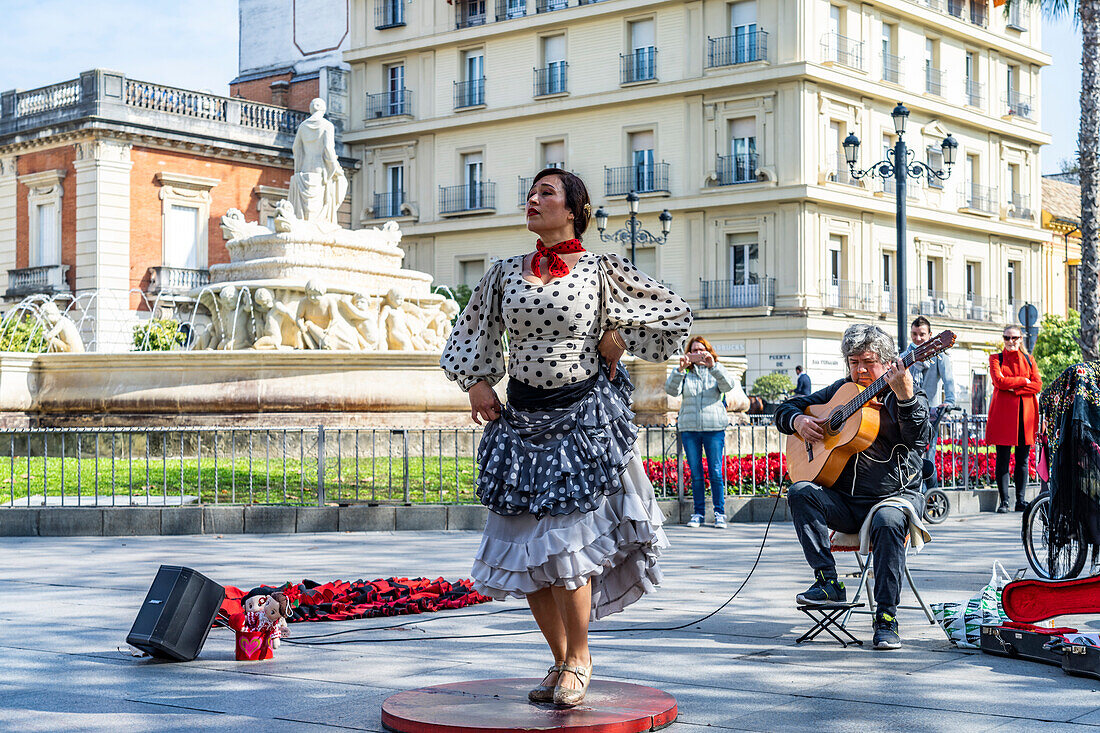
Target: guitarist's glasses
(1011, 338)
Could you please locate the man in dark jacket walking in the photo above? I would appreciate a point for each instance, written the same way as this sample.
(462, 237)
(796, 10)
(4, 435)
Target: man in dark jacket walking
(802, 385)
(891, 466)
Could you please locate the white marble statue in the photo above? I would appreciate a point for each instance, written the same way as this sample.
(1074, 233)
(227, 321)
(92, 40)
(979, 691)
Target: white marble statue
(273, 323)
(62, 335)
(230, 312)
(318, 186)
(235, 227)
(322, 322)
(400, 326)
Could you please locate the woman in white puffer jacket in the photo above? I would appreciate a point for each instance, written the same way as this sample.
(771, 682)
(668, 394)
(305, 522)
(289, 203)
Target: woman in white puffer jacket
(700, 382)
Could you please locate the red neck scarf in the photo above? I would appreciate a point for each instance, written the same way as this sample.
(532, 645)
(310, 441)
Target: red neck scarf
(557, 268)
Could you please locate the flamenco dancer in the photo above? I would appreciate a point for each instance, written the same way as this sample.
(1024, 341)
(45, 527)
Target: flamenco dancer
(573, 525)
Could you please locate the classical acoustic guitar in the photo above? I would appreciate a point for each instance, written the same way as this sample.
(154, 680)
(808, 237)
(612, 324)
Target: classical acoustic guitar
(852, 425)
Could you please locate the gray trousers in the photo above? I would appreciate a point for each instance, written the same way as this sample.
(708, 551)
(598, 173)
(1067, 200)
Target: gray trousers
(815, 510)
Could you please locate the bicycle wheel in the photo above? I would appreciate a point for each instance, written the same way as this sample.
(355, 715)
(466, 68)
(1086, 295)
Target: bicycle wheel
(936, 506)
(1053, 554)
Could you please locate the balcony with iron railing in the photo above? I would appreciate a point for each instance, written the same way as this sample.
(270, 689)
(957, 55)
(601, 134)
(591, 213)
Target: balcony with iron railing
(956, 8)
(524, 189)
(639, 65)
(889, 186)
(546, 6)
(975, 92)
(891, 68)
(1019, 207)
(840, 173)
(164, 280)
(979, 13)
(1016, 20)
(511, 9)
(838, 49)
(734, 169)
(751, 292)
(849, 295)
(1018, 104)
(470, 93)
(394, 103)
(552, 79)
(977, 197)
(956, 306)
(638, 178)
(108, 95)
(468, 198)
(39, 280)
(933, 79)
(737, 49)
(389, 14)
(389, 205)
(469, 13)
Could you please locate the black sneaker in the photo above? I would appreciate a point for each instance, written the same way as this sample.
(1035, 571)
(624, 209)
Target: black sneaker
(824, 590)
(886, 632)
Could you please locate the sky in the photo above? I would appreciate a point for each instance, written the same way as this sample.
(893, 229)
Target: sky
(193, 44)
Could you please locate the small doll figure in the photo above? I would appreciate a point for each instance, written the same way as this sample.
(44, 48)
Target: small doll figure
(261, 625)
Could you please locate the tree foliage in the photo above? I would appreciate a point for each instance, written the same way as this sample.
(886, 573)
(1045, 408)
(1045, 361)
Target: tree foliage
(1057, 347)
(771, 386)
(158, 334)
(23, 334)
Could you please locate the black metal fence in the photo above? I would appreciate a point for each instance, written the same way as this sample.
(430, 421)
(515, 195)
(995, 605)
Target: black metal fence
(742, 48)
(389, 104)
(552, 79)
(468, 197)
(640, 178)
(388, 204)
(469, 93)
(389, 14)
(733, 169)
(639, 65)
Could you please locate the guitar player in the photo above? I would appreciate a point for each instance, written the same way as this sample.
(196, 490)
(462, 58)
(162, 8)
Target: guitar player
(890, 466)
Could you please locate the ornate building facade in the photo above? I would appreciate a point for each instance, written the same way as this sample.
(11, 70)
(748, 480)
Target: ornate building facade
(730, 115)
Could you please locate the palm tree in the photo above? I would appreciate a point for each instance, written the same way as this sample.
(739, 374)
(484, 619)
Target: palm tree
(1087, 14)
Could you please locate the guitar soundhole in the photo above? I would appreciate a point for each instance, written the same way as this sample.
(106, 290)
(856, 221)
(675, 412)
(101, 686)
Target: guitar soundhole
(836, 422)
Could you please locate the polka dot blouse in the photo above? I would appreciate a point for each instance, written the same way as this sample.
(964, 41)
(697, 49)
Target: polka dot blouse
(553, 329)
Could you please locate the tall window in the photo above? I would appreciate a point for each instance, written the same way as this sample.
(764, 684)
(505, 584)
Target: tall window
(46, 249)
(743, 30)
(395, 88)
(470, 272)
(643, 40)
(553, 57)
(887, 281)
(472, 170)
(835, 145)
(836, 20)
(934, 158)
(930, 279)
(891, 64)
(834, 269)
(744, 259)
(395, 188)
(743, 149)
(1071, 287)
(1013, 285)
(973, 88)
(971, 281)
(473, 66)
(641, 147)
(182, 232)
(553, 154)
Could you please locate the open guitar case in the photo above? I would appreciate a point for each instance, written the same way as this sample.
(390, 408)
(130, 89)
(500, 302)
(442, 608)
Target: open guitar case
(1027, 602)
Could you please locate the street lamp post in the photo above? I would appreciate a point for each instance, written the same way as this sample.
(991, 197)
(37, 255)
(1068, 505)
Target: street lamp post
(900, 166)
(633, 233)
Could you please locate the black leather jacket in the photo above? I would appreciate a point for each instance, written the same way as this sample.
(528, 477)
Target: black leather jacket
(890, 465)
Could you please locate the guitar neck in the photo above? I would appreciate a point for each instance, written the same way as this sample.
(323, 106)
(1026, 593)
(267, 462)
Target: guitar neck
(876, 388)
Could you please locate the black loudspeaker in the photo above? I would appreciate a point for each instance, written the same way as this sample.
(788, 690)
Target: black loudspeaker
(175, 618)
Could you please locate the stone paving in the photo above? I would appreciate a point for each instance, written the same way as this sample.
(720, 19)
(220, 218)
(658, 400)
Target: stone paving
(70, 602)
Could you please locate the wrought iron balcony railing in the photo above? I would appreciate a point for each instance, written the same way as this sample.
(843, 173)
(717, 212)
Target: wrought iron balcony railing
(394, 103)
(1019, 206)
(975, 93)
(890, 186)
(956, 8)
(933, 79)
(546, 6)
(469, 13)
(976, 197)
(850, 295)
(389, 205)
(957, 306)
(1015, 19)
(640, 65)
(841, 173)
(552, 79)
(176, 280)
(738, 49)
(43, 279)
(734, 169)
(639, 178)
(467, 197)
(524, 188)
(758, 292)
(979, 13)
(510, 9)
(470, 93)
(389, 14)
(891, 68)
(1018, 104)
(842, 50)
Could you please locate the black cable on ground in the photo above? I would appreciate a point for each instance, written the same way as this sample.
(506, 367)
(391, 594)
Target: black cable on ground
(729, 600)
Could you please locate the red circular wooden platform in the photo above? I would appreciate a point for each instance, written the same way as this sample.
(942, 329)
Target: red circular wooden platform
(500, 706)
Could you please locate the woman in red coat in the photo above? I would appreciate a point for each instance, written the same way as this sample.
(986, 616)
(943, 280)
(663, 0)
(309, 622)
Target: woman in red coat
(1013, 412)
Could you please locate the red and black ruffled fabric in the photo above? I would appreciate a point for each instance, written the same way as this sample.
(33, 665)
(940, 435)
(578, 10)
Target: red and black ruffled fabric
(340, 600)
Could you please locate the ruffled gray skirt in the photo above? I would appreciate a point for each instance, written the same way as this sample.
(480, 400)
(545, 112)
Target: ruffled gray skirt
(616, 545)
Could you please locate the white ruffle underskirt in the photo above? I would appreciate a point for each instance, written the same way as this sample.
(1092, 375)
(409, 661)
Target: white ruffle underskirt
(616, 545)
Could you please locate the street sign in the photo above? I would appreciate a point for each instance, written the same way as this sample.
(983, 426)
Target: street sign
(1028, 315)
